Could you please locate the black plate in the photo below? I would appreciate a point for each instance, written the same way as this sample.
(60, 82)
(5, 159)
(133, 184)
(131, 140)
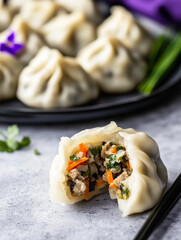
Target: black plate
(105, 106)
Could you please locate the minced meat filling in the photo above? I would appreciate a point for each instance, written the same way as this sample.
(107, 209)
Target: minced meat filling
(92, 167)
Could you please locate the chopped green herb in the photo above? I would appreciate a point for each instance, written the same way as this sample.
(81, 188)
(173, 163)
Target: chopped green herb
(120, 148)
(124, 158)
(112, 143)
(113, 163)
(95, 151)
(36, 152)
(86, 174)
(74, 158)
(121, 196)
(124, 191)
(9, 143)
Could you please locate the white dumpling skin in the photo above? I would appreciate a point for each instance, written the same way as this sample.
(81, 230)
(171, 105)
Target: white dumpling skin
(24, 35)
(146, 183)
(10, 68)
(68, 32)
(5, 17)
(112, 65)
(86, 6)
(51, 81)
(122, 25)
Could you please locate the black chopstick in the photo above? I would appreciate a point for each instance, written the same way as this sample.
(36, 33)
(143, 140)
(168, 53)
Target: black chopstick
(161, 210)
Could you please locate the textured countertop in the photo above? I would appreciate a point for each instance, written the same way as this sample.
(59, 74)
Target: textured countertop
(26, 211)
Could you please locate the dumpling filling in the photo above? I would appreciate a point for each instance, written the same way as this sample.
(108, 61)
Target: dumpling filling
(93, 167)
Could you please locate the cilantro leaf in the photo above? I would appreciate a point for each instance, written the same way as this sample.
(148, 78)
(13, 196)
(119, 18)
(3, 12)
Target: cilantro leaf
(4, 147)
(113, 164)
(120, 148)
(86, 174)
(24, 142)
(13, 144)
(95, 151)
(74, 158)
(36, 152)
(12, 131)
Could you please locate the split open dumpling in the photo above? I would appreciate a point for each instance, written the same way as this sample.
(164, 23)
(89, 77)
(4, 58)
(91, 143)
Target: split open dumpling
(112, 65)
(126, 160)
(10, 68)
(123, 25)
(68, 32)
(23, 35)
(51, 80)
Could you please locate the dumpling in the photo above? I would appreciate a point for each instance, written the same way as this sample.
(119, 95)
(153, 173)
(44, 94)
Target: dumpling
(112, 65)
(37, 13)
(24, 35)
(126, 160)
(68, 33)
(87, 6)
(123, 25)
(51, 81)
(5, 17)
(10, 69)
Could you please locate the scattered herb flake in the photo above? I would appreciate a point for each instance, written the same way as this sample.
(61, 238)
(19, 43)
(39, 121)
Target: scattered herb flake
(74, 158)
(86, 174)
(36, 152)
(120, 148)
(113, 164)
(96, 150)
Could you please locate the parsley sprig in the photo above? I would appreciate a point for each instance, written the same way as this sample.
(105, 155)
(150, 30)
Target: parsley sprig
(9, 143)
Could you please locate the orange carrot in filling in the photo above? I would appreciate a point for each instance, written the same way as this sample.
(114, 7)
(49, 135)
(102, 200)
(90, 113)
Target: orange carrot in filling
(73, 164)
(113, 185)
(83, 149)
(114, 150)
(109, 176)
(86, 194)
(99, 183)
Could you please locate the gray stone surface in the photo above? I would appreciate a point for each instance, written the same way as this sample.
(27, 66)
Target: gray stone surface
(26, 211)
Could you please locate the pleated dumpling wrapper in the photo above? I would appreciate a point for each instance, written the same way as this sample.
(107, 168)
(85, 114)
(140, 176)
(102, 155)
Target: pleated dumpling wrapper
(51, 80)
(87, 6)
(23, 35)
(10, 69)
(123, 25)
(112, 65)
(126, 160)
(5, 18)
(68, 32)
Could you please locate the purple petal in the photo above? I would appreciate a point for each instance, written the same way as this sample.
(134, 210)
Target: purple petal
(11, 37)
(5, 48)
(18, 47)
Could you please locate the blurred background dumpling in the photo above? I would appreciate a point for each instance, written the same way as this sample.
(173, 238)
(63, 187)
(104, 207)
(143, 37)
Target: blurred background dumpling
(69, 33)
(87, 6)
(10, 68)
(112, 65)
(51, 81)
(23, 35)
(122, 25)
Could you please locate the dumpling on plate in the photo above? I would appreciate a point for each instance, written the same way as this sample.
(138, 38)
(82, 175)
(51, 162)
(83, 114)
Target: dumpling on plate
(68, 32)
(37, 13)
(126, 160)
(122, 25)
(10, 69)
(51, 81)
(112, 65)
(86, 6)
(23, 35)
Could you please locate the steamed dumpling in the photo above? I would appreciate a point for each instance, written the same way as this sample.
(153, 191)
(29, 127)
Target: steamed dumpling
(122, 25)
(112, 65)
(10, 68)
(126, 160)
(51, 81)
(86, 6)
(24, 35)
(37, 13)
(5, 17)
(68, 32)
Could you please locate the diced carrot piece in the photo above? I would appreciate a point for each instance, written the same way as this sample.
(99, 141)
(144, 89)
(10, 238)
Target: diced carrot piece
(86, 194)
(73, 164)
(114, 150)
(113, 185)
(99, 183)
(109, 176)
(83, 149)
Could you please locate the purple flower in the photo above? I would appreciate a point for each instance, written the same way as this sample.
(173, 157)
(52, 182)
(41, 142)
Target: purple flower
(10, 46)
